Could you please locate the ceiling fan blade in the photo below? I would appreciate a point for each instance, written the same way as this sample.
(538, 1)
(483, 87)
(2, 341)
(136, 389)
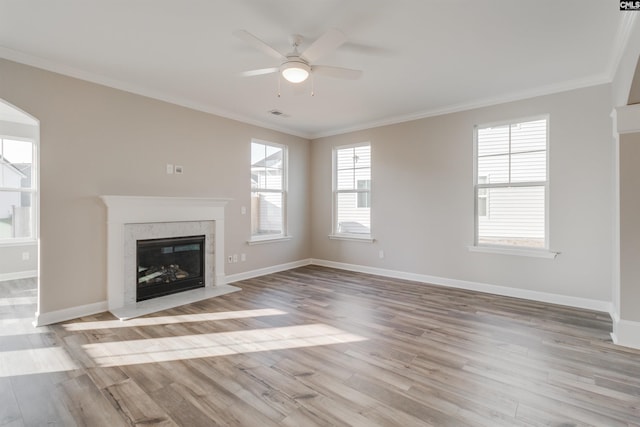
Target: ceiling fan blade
(258, 44)
(327, 43)
(260, 72)
(337, 72)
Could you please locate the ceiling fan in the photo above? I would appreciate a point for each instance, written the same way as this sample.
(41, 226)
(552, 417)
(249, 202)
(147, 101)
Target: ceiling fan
(296, 67)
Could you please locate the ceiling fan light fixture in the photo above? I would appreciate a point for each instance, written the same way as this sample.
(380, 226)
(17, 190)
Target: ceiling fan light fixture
(295, 71)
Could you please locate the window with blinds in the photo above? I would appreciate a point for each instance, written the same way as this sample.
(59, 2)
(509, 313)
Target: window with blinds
(352, 190)
(511, 184)
(268, 190)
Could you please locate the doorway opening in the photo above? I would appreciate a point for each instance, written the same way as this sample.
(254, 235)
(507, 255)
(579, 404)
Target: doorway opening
(19, 203)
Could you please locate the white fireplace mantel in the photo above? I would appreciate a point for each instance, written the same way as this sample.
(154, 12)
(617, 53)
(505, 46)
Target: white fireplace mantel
(122, 210)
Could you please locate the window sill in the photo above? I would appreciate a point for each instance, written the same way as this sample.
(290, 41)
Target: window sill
(17, 242)
(262, 240)
(534, 253)
(366, 238)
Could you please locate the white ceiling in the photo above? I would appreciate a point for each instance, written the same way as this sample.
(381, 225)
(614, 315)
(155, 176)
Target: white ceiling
(419, 57)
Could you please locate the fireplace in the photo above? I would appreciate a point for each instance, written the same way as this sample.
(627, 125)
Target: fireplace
(169, 265)
(133, 218)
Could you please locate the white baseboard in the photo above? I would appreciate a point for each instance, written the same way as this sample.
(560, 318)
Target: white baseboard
(231, 278)
(590, 304)
(18, 275)
(625, 332)
(50, 317)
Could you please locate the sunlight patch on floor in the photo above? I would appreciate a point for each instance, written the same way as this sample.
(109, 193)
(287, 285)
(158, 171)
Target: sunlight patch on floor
(35, 361)
(168, 320)
(152, 350)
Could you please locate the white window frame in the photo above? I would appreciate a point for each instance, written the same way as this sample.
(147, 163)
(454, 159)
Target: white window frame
(335, 234)
(18, 241)
(507, 249)
(283, 235)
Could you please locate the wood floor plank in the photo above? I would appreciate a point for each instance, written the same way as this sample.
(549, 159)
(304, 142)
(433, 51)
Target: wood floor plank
(389, 353)
(9, 409)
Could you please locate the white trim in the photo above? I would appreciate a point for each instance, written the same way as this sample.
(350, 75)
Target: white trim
(595, 80)
(353, 238)
(625, 332)
(586, 303)
(535, 253)
(283, 191)
(56, 67)
(18, 275)
(10, 243)
(621, 43)
(48, 318)
(626, 119)
(615, 249)
(231, 278)
(545, 184)
(255, 241)
(334, 191)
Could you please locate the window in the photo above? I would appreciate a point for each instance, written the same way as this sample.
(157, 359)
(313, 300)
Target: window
(352, 190)
(511, 184)
(268, 190)
(17, 190)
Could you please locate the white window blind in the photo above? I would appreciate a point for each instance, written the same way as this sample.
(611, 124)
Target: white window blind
(268, 189)
(511, 184)
(17, 190)
(352, 190)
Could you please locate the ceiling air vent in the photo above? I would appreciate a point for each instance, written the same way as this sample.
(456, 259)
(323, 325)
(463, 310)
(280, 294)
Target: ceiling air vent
(277, 113)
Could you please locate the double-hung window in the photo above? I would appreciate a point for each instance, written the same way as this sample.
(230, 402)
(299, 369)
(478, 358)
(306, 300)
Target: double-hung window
(511, 184)
(17, 190)
(352, 191)
(268, 190)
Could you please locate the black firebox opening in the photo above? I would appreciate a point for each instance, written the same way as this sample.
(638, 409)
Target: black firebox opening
(167, 266)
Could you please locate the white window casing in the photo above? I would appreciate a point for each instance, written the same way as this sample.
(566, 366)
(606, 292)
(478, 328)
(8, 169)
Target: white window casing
(352, 192)
(268, 191)
(511, 186)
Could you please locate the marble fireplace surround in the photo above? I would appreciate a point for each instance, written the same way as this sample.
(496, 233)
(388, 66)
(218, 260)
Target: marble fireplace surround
(143, 217)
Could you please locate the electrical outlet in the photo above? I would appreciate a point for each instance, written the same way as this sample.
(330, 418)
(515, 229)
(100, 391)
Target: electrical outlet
(230, 259)
(235, 257)
(243, 257)
(25, 256)
(243, 210)
(381, 254)
(169, 169)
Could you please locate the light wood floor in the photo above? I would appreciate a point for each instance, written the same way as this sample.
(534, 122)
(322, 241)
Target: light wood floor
(318, 346)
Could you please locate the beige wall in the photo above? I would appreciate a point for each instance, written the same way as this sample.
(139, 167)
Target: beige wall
(95, 140)
(422, 200)
(629, 218)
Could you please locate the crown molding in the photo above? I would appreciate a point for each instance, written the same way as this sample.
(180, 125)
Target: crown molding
(479, 103)
(622, 37)
(48, 65)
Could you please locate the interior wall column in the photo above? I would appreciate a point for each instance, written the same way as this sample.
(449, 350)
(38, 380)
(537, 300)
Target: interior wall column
(626, 251)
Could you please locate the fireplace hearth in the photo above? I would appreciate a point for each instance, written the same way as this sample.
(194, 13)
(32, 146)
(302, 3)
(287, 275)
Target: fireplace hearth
(169, 265)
